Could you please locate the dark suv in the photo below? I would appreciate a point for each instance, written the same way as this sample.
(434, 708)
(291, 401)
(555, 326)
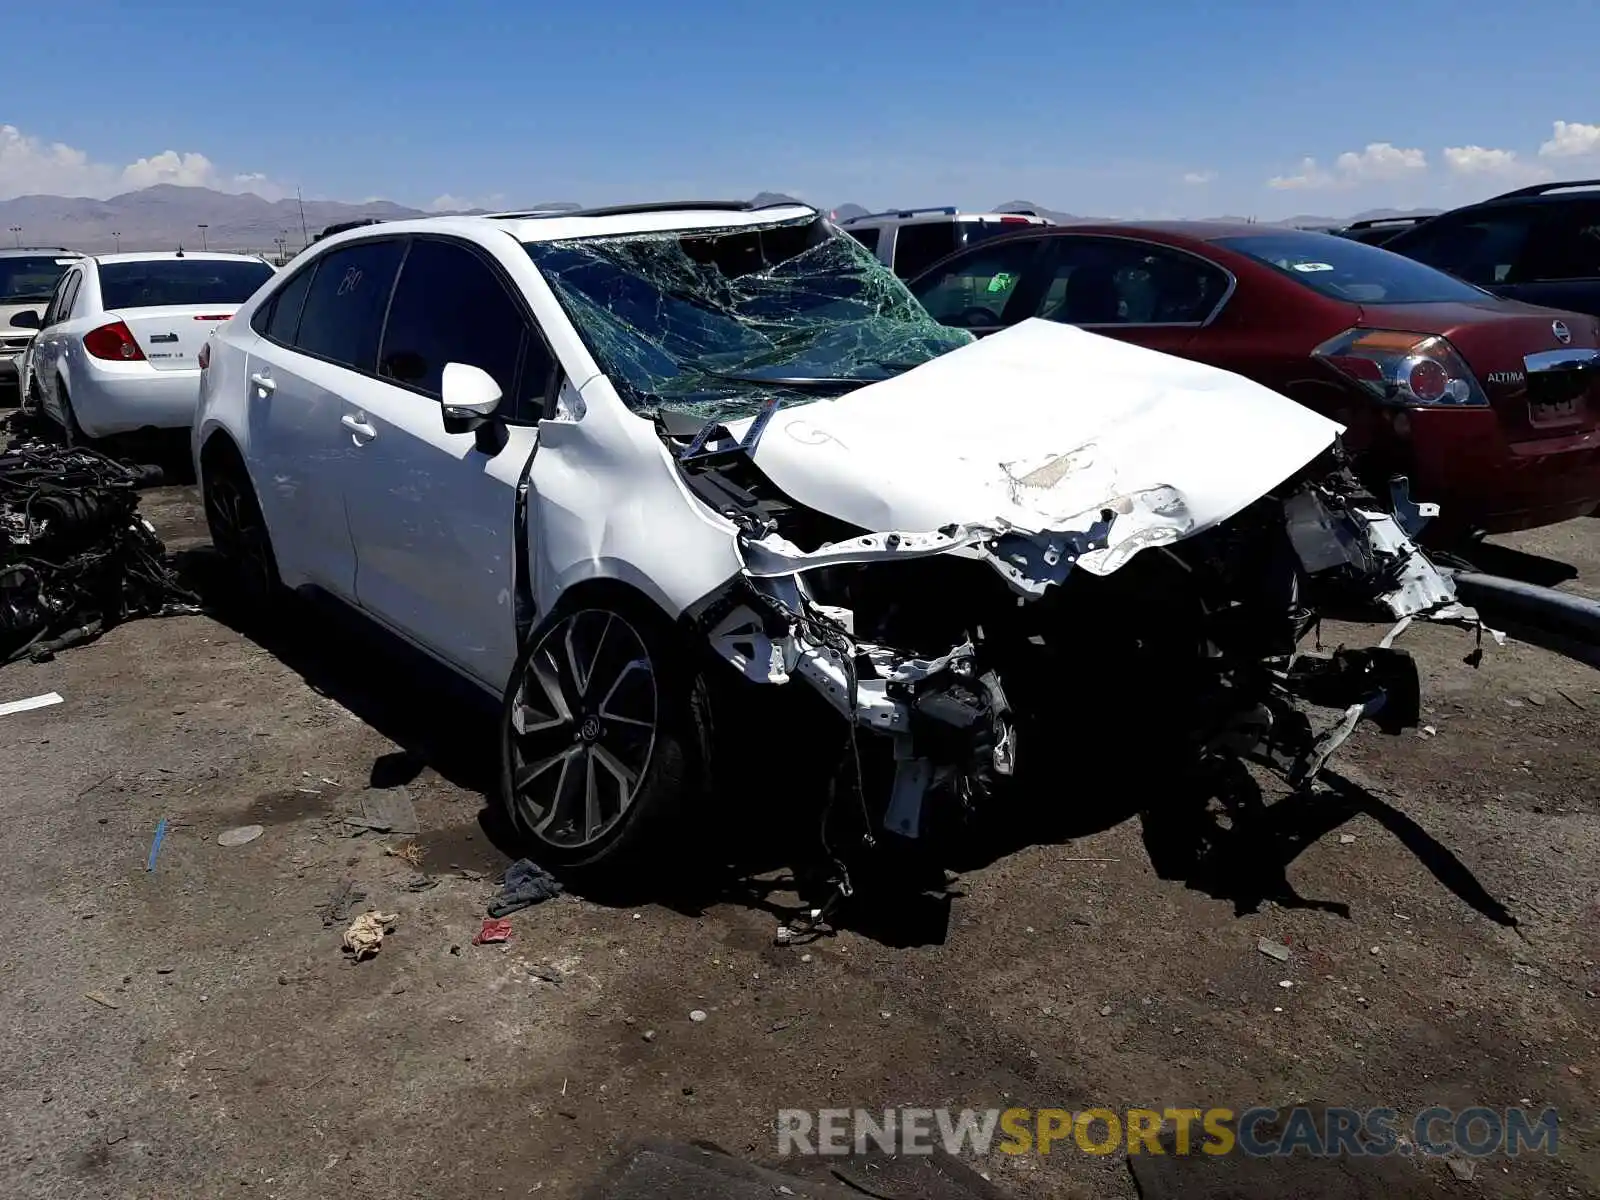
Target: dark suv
(1378, 231)
(1538, 244)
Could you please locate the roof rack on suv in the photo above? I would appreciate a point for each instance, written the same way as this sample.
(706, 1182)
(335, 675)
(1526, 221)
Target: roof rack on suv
(1540, 189)
(347, 226)
(625, 210)
(946, 210)
(1374, 222)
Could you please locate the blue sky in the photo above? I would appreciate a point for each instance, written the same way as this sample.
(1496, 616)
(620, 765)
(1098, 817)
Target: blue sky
(1127, 109)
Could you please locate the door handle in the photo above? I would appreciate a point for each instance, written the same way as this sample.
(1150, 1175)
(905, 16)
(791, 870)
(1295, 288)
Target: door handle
(356, 423)
(264, 382)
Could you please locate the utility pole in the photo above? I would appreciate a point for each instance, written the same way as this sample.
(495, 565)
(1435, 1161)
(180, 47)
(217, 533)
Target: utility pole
(304, 232)
(202, 227)
(16, 232)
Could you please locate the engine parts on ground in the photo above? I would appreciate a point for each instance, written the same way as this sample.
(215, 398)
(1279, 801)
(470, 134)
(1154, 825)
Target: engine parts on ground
(76, 558)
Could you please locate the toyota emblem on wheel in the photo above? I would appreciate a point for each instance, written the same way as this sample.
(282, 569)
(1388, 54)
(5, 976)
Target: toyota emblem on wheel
(1563, 334)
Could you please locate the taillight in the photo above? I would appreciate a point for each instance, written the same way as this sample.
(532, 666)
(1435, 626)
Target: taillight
(204, 357)
(1412, 370)
(113, 341)
(1015, 221)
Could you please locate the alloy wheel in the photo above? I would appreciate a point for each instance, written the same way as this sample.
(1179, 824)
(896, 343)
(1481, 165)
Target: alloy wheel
(583, 728)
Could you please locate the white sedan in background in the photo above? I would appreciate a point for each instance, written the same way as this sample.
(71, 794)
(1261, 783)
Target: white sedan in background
(118, 345)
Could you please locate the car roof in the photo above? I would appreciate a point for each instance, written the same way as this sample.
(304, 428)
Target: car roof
(565, 224)
(932, 216)
(1201, 231)
(176, 256)
(35, 251)
(1555, 192)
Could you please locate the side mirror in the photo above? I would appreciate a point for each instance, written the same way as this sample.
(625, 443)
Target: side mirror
(28, 318)
(469, 397)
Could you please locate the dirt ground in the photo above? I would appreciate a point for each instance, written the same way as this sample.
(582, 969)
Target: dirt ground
(195, 1030)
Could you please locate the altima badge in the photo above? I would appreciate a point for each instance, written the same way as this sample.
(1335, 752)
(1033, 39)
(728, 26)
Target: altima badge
(1563, 334)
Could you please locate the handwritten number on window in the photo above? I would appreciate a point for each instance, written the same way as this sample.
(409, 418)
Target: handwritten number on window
(351, 281)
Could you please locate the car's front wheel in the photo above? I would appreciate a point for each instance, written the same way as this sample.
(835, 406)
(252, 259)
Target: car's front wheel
(601, 737)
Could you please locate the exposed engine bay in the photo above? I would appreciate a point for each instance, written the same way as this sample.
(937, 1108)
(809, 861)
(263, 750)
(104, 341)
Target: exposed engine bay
(958, 664)
(981, 652)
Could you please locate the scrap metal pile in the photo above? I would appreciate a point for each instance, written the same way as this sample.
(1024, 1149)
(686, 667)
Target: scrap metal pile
(76, 558)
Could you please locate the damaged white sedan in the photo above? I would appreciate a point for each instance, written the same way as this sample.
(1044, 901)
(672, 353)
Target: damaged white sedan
(652, 475)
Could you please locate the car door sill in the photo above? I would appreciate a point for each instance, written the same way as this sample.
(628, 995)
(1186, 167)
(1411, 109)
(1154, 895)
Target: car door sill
(371, 618)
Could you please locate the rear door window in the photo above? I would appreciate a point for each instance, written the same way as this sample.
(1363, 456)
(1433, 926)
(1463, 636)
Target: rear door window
(279, 319)
(1485, 247)
(1120, 281)
(973, 290)
(451, 306)
(52, 311)
(918, 247)
(867, 237)
(69, 295)
(1569, 245)
(342, 320)
(158, 282)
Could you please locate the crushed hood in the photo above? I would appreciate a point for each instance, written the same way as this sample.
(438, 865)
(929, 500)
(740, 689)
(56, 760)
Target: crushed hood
(1041, 427)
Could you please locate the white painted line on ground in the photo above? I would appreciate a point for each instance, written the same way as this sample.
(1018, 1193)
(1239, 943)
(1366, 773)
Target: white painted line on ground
(16, 706)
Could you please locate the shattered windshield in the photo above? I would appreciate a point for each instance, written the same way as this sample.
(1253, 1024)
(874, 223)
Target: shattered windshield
(716, 323)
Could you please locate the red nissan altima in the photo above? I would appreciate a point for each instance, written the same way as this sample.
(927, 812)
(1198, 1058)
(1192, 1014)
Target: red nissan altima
(1487, 405)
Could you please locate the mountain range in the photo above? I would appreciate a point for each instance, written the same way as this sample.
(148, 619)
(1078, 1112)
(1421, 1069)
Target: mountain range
(166, 217)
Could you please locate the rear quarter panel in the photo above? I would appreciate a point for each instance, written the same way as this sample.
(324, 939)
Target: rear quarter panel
(224, 396)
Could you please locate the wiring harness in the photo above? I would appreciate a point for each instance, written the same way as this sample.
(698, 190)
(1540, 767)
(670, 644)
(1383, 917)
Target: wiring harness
(76, 558)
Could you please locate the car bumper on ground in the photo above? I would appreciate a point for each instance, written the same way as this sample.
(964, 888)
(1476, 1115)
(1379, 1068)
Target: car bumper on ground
(1464, 462)
(123, 398)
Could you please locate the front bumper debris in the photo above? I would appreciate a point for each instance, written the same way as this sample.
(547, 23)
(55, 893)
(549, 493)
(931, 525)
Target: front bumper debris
(948, 716)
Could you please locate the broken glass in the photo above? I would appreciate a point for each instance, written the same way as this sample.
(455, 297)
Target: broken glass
(715, 323)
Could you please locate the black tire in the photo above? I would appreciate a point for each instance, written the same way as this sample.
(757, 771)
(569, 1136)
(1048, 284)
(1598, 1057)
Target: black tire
(238, 530)
(600, 791)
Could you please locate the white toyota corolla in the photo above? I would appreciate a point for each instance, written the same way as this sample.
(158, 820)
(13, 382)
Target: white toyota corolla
(631, 470)
(117, 343)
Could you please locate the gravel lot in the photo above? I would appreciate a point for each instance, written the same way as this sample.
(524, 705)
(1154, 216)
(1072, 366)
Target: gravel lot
(195, 1030)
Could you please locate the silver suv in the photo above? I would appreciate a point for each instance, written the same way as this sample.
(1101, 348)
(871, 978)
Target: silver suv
(28, 278)
(909, 240)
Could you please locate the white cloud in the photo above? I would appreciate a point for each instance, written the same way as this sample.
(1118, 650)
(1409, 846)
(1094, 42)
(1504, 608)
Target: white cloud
(183, 170)
(29, 165)
(453, 203)
(1310, 176)
(1572, 140)
(1199, 178)
(1492, 163)
(1379, 162)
